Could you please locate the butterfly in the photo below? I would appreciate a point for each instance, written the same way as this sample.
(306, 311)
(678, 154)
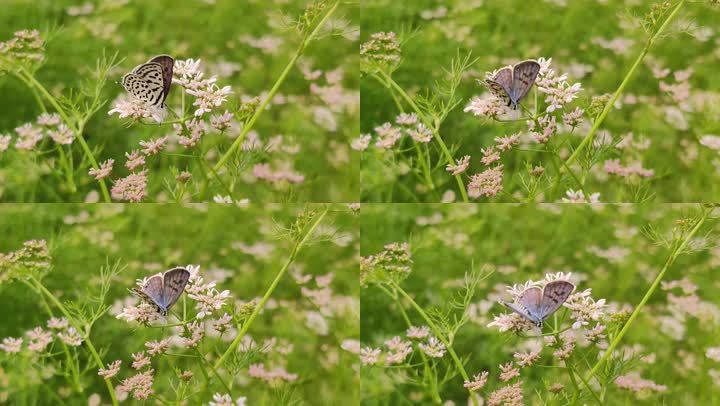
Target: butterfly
(511, 83)
(164, 289)
(537, 304)
(150, 82)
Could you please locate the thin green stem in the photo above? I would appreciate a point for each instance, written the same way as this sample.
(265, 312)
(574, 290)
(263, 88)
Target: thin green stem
(440, 336)
(172, 325)
(435, 132)
(423, 166)
(66, 166)
(182, 105)
(203, 162)
(50, 98)
(93, 162)
(558, 169)
(434, 390)
(85, 332)
(671, 259)
(176, 121)
(35, 94)
(587, 385)
(205, 376)
(259, 307)
(261, 108)
(68, 358)
(421, 156)
(591, 134)
(214, 371)
(77, 129)
(63, 160)
(575, 385)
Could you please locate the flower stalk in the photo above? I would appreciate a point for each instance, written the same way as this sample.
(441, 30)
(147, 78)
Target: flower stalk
(674, 254)
(591, 134)
(259, 307)
(276, 86)
(77, 128)
(83, 330)
(440, 335)
(433, 128)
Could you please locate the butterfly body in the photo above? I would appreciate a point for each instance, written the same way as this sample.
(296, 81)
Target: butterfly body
(164, 289)
(511, 83)
(150, 82)
(536, 304)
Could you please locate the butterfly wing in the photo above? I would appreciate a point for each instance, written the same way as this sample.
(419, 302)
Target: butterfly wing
(166, 62)
(145, 83)
(504, 78)
(554, 295)
(500, 84)
(523, 77)
(530, 299)
(153, 290)
(519, 310)
(174, 282)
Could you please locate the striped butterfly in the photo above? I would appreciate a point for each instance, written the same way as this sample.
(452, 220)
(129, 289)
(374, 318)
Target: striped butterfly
(150, 82)
(511, 83)
(164, 289)
(537, 304)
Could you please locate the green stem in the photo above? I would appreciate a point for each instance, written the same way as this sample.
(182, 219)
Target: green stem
(86, 335)
(423, 166)
(205, 376)
(93, 162)
(182, 106)
(37, 97)
(66, 166)
(558, 170)
(587, 385)
(440, 336)
(78, 130)
(214, 371)
(436, 134)
(259, 307)
(68, 358)
(421, 156)
(63, 160)
(671, 259)
(434, 390)
(261, 108)
(591, 134)
(575, 385)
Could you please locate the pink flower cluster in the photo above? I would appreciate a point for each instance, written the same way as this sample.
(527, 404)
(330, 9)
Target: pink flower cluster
(275, 375)
(39, 339)
(25, 48)
(29, 135)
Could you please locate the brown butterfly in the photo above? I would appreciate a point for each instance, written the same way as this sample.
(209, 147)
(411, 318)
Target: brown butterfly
(164, 289)
(511, 83)
(150, 82)
(537, 304)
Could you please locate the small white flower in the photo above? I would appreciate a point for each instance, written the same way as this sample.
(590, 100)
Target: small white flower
(369, 356)
(137, 109)
(222, 199)
(361, 143)
(434, 348)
